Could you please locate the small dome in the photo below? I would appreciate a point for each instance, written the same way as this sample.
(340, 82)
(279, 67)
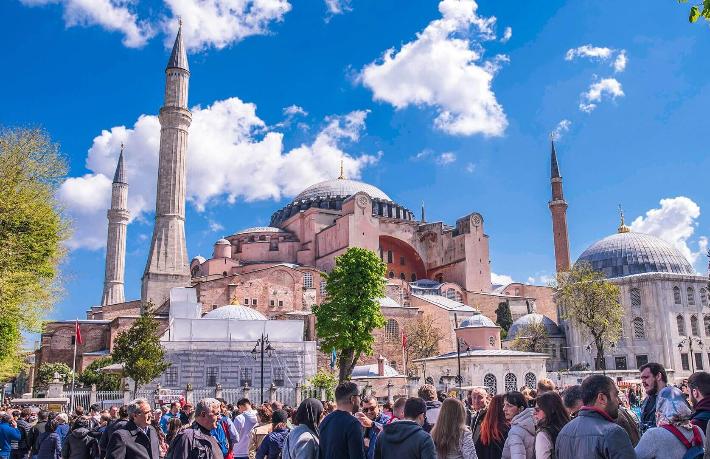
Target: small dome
(527, 319)
(369, 371)
(476, 321)
(222, 241)
(260, 229)
(341, 188)
(199, 259)
(236, 312)
(628, 253)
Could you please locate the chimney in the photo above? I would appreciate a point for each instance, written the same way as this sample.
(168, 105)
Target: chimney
(380, 366)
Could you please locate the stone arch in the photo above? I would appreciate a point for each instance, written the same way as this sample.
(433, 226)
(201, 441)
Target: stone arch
(404, 260)
(490, 383)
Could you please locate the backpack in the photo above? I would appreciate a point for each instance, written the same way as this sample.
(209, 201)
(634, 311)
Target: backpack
(695, 449)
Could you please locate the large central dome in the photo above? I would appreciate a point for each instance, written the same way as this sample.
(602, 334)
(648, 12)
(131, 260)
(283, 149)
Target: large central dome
(339, 188)
(627, 253)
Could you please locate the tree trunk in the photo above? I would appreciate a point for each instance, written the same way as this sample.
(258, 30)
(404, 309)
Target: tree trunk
(345, 364)
(600, 354)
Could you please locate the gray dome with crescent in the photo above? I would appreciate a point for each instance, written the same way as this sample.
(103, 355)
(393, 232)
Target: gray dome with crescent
(340, 188)
(260, 229)
(625, 254)
(477, 321)
(528, 319)
(235, 312)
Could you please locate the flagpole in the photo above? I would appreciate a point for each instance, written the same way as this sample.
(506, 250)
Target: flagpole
(73, 366)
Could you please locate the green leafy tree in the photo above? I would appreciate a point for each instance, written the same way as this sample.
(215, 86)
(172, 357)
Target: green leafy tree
(324, 379)
(532, 337)
(351, 312)
(699, 10)
(504, 318)
(92, 375)
(46, 371)
(423, 337)
(140, 351)
(591, 302)
(32, 230)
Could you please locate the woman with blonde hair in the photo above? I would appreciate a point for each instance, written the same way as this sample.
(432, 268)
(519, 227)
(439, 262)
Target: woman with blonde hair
(451, 435)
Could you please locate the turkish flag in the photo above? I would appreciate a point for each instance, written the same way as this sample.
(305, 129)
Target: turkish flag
(78, 334)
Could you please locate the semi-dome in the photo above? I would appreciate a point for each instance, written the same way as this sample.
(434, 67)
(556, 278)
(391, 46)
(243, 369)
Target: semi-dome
(528, 319)
(235, 312)
(477, 321)
(627, 253)
(340, 188)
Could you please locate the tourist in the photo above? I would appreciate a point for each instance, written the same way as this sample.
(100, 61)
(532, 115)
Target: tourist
(273, 444)
(572, 399)
(699, 384)
(137, 439)
(593, 434)
(195, 441)
(428, 393)
(328, 407)
(302, 441)
(79, 444)
(173, 413)
(37, 430)
(372, 420)
(675, 435)
(340, 433)
(244, 422)
(220, 435)
(406, 439)
(520, 443)
(186, 414)
(174, 427)
(8, 433)
(545, 385)
(162, 443)
(262, 428)
(550, 417)
(653, 378)
(231, 435)
(94, 415)
(628, 421)
(494, 431)
(49, 445)
(478, 404)
(452, 437)
(21, 448)
(113, 412)
(398, 409)
(62, 428)
(119, 423)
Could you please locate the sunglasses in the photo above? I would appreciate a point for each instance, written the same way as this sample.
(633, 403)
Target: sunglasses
(367, 409)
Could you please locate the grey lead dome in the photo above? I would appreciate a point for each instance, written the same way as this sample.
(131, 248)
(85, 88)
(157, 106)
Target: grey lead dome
(625, 254)
(339, 188)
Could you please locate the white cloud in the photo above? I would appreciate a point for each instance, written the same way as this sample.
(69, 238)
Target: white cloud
(500, 279)
(112, 15)
(214, 226)
(441, 68)
(293, 110)
(609, 86)
(470, 168)
(507, 34)
(674, 222)
(231, 155)
(542, 279)
(446, 158)
(589, 51)
(620, 62)
(220, 23)
(337, 7)
(561, 128)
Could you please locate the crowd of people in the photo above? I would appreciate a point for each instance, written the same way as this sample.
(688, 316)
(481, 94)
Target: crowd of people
(587, 421)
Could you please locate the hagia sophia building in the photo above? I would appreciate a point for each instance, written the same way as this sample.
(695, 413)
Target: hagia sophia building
(435, 270)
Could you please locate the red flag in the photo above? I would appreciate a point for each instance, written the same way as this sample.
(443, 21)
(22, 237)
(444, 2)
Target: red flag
(78, 334)
(404, 340)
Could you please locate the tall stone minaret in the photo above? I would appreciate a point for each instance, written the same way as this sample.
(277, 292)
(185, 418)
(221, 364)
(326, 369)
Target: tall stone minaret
(116, 237)
(167, 265)
(558, 207)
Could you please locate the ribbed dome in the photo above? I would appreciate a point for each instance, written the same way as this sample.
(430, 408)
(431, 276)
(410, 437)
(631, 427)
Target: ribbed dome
(341, 188)
(624, 254)
(528, 319)
(476, 321)
(260, 229)
(236, 312)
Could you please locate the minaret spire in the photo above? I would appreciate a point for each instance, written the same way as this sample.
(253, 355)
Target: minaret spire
(167, 265)
(118, 217)
(558, 207)
(342, 171)
(423, 215)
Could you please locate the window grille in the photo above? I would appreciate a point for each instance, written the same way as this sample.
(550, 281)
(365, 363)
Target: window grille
(511, 382)
(676, 295)
(490, 383)
(635, 297)
(530, 380)
(680, 322)
(392, 330)
(694, 328)
(307, 280)
(639, 330)
(691, 296)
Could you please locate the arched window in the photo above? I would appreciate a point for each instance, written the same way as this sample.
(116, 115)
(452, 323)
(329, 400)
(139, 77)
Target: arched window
(680, 322)
(635, 297)
(414, 277)
(492, 341)
(530, 380)
(676, 295)
(490, 383)
(703, 297)
(706, 325)
(694, 328)
(308, 280)
(450, 293)
(402, 276)
(392, 330)
(391, 275)
(511, 382)
(691, 296)
(639, 330)
(457, 297)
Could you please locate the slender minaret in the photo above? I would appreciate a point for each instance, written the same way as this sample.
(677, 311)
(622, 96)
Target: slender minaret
(167, 265)
(558, 207)
(116, 238)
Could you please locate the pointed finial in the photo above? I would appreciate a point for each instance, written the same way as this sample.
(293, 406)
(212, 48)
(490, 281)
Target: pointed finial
(180, 22)
(622, 227)
(121, 147)
(178, 56)
(342, 171)
(553, 136)
(554, 167)
(120, 175)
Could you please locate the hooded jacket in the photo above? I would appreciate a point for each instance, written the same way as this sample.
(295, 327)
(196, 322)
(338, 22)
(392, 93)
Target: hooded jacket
(520, 443)
(404, 439)
(244, 422)
(79, 445)
(7, 435)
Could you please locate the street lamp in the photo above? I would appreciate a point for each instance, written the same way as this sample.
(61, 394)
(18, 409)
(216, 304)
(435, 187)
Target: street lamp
(690, 340)
(262, 346)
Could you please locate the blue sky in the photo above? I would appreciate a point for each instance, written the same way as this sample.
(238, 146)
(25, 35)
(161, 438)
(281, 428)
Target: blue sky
(433, 102)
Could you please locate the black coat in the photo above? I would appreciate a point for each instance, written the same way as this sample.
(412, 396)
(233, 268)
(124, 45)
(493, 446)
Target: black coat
(404, 439)
(130, 443)
(111, 427)
(80, 445)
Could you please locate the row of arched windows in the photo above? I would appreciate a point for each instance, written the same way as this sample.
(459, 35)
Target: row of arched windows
(490, 382)
(694, 325)
(690, 294)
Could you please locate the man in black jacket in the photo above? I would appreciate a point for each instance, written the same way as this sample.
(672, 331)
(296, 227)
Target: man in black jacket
(341, 436)
(37, 430)
(111, 427)
(196, 441)
(406, 439)
(138, 439)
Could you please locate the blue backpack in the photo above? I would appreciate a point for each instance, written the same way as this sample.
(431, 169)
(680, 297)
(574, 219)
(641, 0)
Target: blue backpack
(695, 449)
